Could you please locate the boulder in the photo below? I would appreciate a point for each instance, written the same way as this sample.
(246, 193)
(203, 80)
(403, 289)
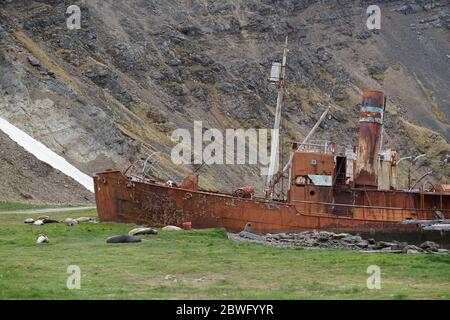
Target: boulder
(325, 236)
(351, 239)
(28, 220)
(251, 236)
(340, 235)
(399, 245)
(34, 61)
(283, 236)
(412, 249)
(362, 244)
(385, 244)
(429, 246)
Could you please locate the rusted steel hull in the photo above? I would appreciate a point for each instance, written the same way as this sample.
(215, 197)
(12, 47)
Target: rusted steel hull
(120, 199)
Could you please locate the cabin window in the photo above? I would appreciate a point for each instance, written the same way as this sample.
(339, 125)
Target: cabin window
(321, 180)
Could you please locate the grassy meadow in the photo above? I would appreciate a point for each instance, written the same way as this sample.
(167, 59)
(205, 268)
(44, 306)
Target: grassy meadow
(198, 264)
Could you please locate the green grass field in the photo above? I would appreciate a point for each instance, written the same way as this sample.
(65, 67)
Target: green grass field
(198, 264)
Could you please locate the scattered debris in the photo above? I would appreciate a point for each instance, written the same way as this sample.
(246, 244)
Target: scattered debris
(429, 246)
(247, 192)
(439, 226)
(427, 225)
(42, 239)
(186, 225)
(122, 239)
(171, 228)
(142, 231)
(325, 239)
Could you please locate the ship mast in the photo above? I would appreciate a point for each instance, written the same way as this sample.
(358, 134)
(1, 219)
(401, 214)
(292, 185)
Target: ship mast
(277, 75)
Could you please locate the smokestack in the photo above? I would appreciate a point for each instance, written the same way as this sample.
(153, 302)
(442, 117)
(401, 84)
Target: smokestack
(369, 137)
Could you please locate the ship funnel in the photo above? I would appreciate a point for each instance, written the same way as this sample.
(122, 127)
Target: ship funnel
(369, 138)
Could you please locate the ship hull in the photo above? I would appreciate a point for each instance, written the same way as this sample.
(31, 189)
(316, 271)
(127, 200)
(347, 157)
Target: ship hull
(120, 199)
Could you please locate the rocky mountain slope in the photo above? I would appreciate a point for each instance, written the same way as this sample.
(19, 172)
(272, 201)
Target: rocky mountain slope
(114, 90)
(26, 179)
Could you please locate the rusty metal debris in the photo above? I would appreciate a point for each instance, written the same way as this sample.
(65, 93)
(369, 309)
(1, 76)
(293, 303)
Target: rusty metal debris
(323, 239)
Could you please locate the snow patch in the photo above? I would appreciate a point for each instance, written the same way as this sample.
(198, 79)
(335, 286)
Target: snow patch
(46, 155)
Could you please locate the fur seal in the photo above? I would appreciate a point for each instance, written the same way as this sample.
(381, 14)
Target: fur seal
(84, 219)
(42, 238)
(122, 239)
(171, 228)
(142, 231)
(48, 220)
(248, 227)
(71, 222)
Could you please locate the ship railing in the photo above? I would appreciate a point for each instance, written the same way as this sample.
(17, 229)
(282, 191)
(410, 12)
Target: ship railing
(317, 146)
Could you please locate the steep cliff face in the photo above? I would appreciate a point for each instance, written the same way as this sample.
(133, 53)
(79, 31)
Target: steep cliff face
(113, 91)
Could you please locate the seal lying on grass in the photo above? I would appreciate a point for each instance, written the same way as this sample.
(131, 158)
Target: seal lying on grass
(40, 221)
(71, 222)
(142, 231)
(84, 219)
(42, 238)
(122, 239)
(171, 228)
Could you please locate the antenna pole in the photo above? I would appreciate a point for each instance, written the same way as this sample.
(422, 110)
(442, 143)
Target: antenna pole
(274, 148)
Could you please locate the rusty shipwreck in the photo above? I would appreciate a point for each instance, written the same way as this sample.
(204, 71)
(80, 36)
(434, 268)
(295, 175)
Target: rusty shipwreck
(352, 192)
